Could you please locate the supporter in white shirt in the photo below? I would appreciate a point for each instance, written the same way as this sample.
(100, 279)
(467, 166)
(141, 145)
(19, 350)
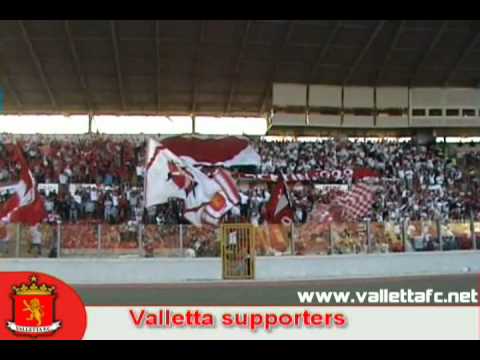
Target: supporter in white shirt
(266, 196)
(243, 198)
(115, 200)
(49, 205)
(93, 195)
(236, 211)
(63, 179)
(255, 219)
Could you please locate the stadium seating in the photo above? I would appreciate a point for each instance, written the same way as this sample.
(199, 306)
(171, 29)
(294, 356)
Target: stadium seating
(100, 178)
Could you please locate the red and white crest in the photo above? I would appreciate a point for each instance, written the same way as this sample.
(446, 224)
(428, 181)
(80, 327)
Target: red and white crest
(33, 310)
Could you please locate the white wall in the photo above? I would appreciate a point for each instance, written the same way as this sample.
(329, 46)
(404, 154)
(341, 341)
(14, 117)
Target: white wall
(289, 94)
(164, 270)
(326, 96)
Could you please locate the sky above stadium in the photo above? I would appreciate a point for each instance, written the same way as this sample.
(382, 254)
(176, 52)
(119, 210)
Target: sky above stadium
(109, 124)
(78, 124)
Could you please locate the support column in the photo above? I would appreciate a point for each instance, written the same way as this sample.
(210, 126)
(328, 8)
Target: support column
(369, 237)
(330, 239)
(194, 128)
(404, 235)
(17, 241)
(180, 235)
(59, 237)
(292, 239)
(140, 240)
(99, 239)
(472, 230)
(90, 121)
(440, 236)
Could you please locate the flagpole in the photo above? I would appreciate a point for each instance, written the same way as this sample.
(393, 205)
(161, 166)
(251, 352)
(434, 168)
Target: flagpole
(147, 159)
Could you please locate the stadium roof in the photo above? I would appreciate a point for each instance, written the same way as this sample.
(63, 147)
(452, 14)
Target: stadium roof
(220, 67)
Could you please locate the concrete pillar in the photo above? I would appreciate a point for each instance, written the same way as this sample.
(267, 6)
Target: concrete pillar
(90, 122)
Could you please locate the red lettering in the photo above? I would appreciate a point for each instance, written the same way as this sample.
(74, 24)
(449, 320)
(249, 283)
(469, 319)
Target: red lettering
(285, 320)
(177, 319)
(137, 320)
(207, 320)
(152, 320)
(241, 320)
(328, 320)
(256, 320)
(306, 318)
(340, 320)
(271, 320)
(317, 319)
(227, 320)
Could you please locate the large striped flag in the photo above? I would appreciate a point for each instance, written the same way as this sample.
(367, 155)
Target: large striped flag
(207, 199)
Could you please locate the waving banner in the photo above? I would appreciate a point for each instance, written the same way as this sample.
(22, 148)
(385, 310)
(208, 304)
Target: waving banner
(206, 198)
(225, 151)
(26, 206)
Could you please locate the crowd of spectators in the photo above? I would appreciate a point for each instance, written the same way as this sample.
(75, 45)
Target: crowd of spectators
(417, 182)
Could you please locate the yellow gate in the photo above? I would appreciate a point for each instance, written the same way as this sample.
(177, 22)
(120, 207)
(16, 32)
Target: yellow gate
(238, 251)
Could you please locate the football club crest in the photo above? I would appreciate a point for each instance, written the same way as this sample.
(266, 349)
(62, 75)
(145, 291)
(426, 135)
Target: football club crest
(33, 310)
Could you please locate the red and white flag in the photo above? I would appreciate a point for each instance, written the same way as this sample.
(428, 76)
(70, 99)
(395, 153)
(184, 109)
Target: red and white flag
(207, 199)
(225, 151)
(358, 202)
(26, 206)
(279, 209)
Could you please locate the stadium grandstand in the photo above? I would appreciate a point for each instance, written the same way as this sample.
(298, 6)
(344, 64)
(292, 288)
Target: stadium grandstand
(363, 134)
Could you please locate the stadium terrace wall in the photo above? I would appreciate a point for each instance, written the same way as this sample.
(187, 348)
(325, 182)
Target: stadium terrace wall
(375, 132)
(362, 108)
(80, 271)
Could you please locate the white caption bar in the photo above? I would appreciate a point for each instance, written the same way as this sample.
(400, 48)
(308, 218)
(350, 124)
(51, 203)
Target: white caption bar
(171, 322)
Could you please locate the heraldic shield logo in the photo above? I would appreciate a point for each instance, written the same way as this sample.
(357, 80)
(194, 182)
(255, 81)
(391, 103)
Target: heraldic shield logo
(38, 306)
(33, 307)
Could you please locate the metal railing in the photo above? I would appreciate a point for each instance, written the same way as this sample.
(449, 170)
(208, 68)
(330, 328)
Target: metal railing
(102, 240)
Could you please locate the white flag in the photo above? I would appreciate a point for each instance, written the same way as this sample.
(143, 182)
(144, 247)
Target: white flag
(167, 176)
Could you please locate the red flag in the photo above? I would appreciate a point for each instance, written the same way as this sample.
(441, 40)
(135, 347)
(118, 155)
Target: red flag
(279, 208)
(364, 173)
(213, 151)
(26, 206)
(32, 214)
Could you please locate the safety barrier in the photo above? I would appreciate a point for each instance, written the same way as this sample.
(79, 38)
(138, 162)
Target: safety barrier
(174, 270)
(103, 240)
